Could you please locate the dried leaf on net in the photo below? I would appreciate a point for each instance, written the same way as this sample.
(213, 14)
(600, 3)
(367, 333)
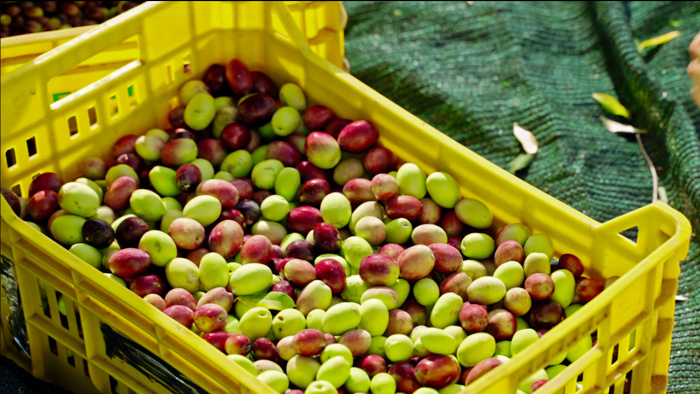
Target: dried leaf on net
(611, 105)
(617, 127)
(530, 146)
(526, 138)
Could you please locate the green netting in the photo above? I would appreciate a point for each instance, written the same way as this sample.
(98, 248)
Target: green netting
(473, 70)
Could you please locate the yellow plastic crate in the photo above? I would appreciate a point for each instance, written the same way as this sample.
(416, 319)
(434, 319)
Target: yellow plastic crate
(115, 342)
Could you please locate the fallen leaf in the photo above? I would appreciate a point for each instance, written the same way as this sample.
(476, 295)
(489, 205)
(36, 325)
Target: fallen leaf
(526, 138)
(611, 105)
(617, 127)
(660, 40)
(273, 300)
(522, 161)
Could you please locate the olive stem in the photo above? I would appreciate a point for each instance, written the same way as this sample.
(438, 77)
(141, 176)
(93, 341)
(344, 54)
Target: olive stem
(655, 179)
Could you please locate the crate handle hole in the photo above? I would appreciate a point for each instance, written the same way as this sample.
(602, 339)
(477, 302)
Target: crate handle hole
(58, 96)
(187, 68)
(631, 233)
(42, 291)
(31, 147)
(113, 384)
(62, 309)
(92, 115)
(17, 190)
(73, 125)
(53, 346)
(10, 157)
(114, 105)
(79, 324)
(133, 100)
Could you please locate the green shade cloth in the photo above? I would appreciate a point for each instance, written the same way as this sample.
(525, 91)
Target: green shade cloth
(471, 71)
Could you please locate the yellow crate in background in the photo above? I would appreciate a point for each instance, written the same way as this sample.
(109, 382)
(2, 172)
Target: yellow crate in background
(110, 340)
(18, 50)
(321, 22)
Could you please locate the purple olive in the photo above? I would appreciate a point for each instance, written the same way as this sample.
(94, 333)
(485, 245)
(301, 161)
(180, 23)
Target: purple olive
(256, 109)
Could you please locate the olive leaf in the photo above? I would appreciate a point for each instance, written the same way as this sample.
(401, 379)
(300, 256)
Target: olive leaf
(617, 127)
(523, 160)
(250, 301)
(526, 138)
(656, 41)
(273, 300)
(611, 105)
(529, 144)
